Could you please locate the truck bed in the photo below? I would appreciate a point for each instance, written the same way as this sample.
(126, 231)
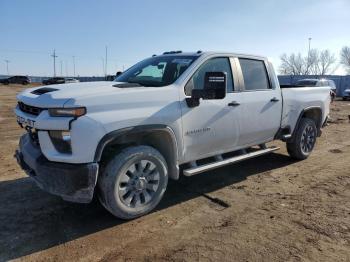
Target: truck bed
(298, 98)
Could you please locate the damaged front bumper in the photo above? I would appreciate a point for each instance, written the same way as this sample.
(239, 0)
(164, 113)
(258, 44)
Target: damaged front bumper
(72, 182)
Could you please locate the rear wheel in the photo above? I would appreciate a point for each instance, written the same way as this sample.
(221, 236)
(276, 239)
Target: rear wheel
(304, 140)
(133, 182)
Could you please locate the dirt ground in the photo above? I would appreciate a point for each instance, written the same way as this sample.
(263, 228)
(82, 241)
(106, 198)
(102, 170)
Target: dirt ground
(266, 209)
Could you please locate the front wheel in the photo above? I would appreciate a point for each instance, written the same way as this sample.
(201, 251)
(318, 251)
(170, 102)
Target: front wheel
(133, 182)
(304, 140)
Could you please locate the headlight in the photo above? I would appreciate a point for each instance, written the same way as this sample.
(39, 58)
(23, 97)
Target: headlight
(73, 112)
(61, 141)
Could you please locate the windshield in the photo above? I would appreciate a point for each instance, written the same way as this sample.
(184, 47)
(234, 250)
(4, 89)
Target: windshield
(157, 71)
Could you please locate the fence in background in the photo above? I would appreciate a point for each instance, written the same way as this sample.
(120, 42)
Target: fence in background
(39, 79)
(342, 82)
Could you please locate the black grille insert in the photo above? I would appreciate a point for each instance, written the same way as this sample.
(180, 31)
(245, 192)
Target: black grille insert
(29, 109)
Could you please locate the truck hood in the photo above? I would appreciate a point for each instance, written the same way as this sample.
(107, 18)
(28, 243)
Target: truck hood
(59, 95)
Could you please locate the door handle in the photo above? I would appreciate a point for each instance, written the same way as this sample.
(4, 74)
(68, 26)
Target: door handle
(234, 103)
(275, 99)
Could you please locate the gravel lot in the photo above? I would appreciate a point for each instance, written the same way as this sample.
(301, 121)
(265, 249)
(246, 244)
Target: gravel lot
(266, 209)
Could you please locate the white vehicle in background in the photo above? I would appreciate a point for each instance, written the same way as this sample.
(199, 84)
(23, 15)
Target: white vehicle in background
(169, 115)
(71, 80)
(319, 82)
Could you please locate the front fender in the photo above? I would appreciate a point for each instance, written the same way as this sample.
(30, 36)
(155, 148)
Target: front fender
(159, 136)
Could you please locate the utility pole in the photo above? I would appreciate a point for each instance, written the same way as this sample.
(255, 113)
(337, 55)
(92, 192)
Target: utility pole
(7, 66)
(106, 63)
(54, 62)
(103, 66)
(74, 66)
(61, 68)
(308, 55)
(65, 62)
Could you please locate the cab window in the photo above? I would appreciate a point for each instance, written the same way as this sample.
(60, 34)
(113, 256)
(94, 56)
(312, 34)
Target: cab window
(219, 64)
(254, 74)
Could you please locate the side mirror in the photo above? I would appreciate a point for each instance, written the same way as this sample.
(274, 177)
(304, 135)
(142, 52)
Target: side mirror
(118, 73)
(214, 88)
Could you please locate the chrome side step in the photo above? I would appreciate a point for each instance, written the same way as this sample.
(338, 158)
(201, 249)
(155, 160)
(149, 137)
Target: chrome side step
(199, 169)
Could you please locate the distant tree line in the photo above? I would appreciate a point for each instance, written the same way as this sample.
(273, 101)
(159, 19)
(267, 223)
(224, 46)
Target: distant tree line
(316, 62)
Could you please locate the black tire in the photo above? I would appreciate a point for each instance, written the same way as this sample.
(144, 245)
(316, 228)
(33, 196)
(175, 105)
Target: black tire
(6, 82)
(304, 141)
(344, 98)
(133, 182)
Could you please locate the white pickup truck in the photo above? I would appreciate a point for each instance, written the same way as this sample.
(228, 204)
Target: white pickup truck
(169, 115)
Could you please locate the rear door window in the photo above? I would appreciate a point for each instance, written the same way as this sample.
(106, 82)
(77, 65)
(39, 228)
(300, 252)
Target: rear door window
(254, 74)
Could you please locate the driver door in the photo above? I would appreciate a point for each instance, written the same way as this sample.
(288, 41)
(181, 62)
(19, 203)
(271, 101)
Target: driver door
(212, 127)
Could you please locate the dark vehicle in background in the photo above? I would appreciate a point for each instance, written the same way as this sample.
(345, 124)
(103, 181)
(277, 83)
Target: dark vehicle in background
(54, 80)
(319, 82)
(346, 94)
(110, 78)
(23, 80)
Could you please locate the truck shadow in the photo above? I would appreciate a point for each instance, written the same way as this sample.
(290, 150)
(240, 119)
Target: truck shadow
(32, 220)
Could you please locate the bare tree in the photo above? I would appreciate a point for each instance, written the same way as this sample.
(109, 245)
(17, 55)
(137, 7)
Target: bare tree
(321, 62)
(316, 63)
(345, 57)
(293, 64)
(326, 62)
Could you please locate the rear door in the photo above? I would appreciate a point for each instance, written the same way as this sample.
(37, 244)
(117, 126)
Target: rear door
(261, 102)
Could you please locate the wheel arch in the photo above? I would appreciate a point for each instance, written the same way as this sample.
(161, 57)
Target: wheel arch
(161, 137)
(314, 113)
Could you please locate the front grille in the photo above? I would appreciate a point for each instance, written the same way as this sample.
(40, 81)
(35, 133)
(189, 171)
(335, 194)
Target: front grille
(33, 134)
(29, 109)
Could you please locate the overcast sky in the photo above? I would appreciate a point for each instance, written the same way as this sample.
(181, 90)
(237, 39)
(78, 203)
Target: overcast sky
(133, 30)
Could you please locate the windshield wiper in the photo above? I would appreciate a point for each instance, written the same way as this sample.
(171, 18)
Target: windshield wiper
(140, 84)
(127, 84)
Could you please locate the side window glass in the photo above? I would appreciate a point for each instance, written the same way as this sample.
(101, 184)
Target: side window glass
(220, 64)
(254, 74)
